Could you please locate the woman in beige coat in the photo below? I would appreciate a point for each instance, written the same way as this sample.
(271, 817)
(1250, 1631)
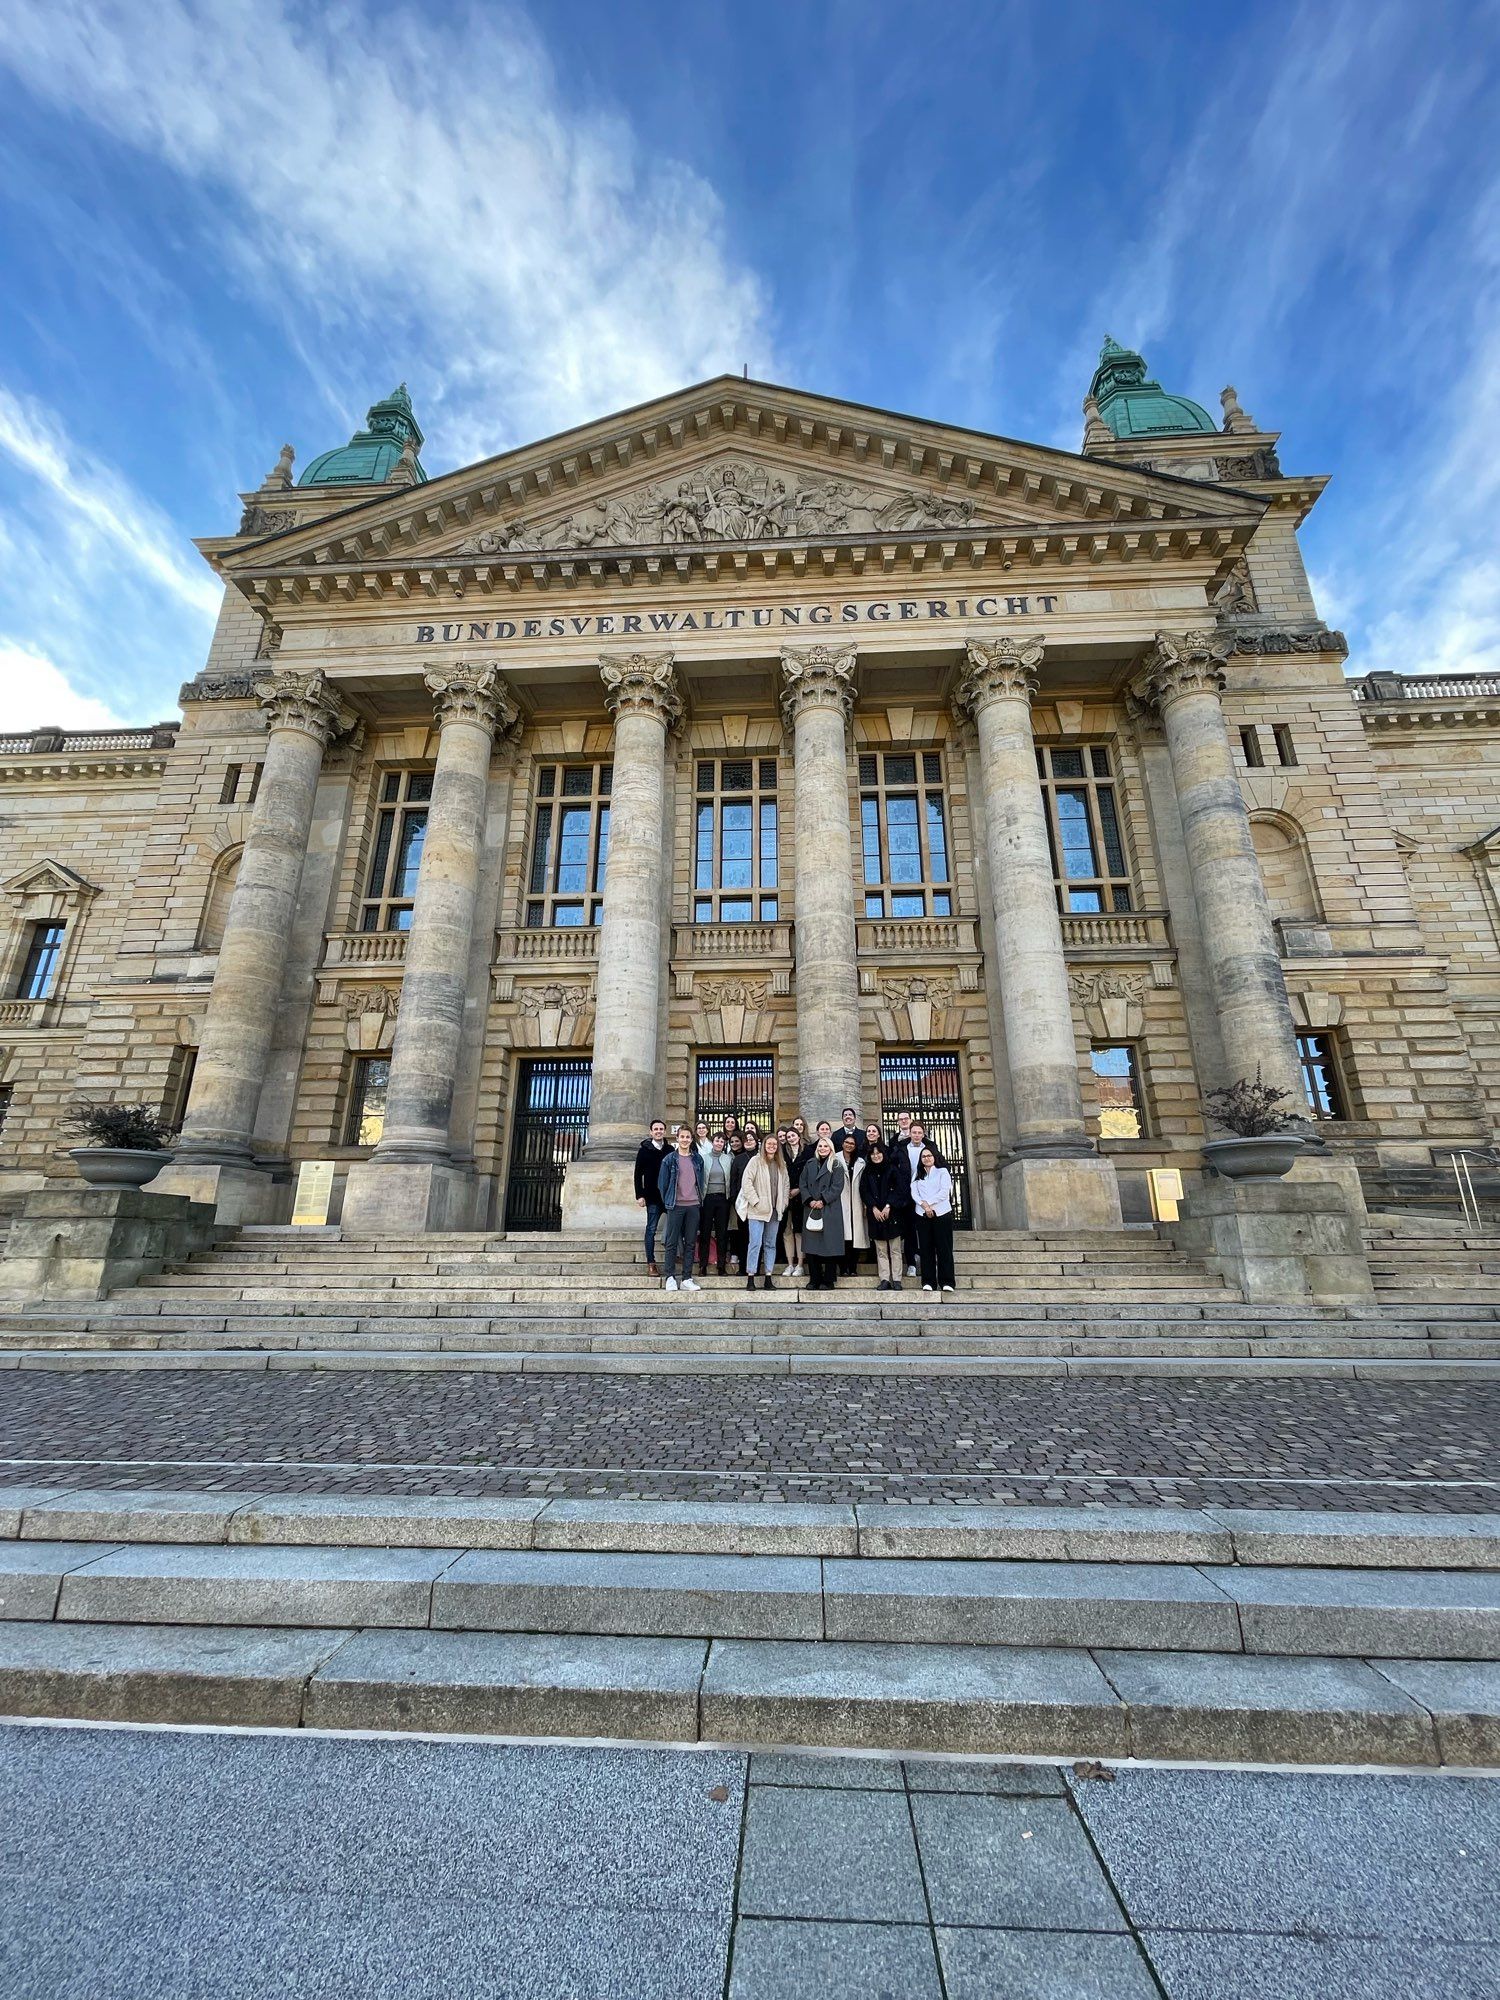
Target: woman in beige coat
(761, 1202)
(856, 1215)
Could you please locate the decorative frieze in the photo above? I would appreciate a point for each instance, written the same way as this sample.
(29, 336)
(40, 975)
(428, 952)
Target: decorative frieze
(1112, 1004)
(1275, 641)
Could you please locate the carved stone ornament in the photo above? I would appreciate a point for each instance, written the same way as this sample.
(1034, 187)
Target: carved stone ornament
(268, 645)
(733, 500)
(1182, 663)
(817, 677)
(221, 687)
(997, 670)
(556, 997)
(906, 992)
(643, 684)
(1235, 596)
(266, 520)
(732, 992)
(382, 1000)
(303, 701)
(1262, 464)
(1112, 1003)
(465, 692)
(1308, 639)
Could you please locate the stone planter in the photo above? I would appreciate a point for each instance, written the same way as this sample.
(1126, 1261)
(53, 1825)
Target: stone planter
(118, 1166)
(1269, 1158)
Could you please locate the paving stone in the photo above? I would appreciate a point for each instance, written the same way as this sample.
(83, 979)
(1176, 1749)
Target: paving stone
(31, 1575)
(1353, 1540)
(237, 1676)
(388, 1521)
(14, 1500)
(774, 1960)
(865, 1774)
(1236, 1967)
(1426, 1614)
(1000, 1862)
(1264, 1709)
(254, 1586)
(1044, 1965)
(686, 1527)
(976, 1699)
(167, 1515)
(531, 1684)
(933, 1774)
(1463, 1699)
(1059, 1534)
(1028, 1604)
(832, 1854)
(545, 1591)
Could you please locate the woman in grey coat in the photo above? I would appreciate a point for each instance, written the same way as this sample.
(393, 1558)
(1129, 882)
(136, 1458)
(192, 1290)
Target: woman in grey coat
(822, 1197)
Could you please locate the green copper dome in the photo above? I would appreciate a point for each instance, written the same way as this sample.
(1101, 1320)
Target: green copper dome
(371, 455)
(1134, 406)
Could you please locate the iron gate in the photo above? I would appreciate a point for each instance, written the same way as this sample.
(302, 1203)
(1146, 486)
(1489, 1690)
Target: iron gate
(743, 1084)
(926, 1083)
(551, 1128)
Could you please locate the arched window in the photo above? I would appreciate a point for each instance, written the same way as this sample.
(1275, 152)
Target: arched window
(216, 904)
(1287, 868)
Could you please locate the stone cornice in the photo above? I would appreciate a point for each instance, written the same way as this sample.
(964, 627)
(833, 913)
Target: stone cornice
(641, 684)
(472, 692)
(997, 670)
(1428, 701)
(20, 770)
(817, 677)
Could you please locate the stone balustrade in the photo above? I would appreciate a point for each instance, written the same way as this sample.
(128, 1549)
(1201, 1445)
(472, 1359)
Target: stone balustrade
(22, 1013)
(383, 948)
(758, 942)
(917, 937)
(565, 944)
(1116, 930)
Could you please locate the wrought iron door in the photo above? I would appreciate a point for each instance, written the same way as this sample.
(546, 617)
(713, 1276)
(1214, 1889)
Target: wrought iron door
(743, 1084)
(926, 1083)
(551, 1128)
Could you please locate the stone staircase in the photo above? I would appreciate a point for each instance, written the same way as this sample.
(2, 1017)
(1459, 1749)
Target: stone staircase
(1120, 1302)
(1416, 1264)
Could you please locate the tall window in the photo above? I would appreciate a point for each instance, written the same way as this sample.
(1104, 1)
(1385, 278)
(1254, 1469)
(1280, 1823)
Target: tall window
(400, 830)
(569, 845)
(1320, 1076)
(1083, 827)
(903, 823)
(1117, 1078)
(367, 1090)
(43, 950)
(734, 841)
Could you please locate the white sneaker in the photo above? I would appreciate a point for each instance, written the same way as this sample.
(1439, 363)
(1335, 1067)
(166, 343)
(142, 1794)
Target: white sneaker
(689, 1286)
(911, 1272)
(950, 1288)
(925, 1288)
(670, 1285)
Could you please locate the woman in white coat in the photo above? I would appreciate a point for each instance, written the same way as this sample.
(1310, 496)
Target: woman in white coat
(856, 1215)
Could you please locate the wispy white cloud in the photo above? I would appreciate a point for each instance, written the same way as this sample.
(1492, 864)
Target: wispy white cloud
(426, 186)
(36, 693)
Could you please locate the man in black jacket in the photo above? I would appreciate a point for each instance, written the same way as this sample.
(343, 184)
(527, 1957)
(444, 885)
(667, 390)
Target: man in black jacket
(647, 1191)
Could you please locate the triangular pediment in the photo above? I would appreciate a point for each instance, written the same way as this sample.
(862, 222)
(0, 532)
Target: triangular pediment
(737, 464)
(49, 878)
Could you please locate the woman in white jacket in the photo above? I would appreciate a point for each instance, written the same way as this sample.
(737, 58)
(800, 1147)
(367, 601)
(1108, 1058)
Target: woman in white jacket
(761, 1203)
(856, 1215)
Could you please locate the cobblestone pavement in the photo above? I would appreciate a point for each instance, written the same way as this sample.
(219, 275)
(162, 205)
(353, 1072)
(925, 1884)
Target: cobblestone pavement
(1411, 1446)
(264, 1864)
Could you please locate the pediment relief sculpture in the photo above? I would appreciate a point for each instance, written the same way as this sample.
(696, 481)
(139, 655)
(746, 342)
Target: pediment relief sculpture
(732, 500)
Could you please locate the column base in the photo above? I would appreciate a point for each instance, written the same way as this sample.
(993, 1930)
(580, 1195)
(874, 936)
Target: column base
(600, 1195)
(383, 1197)
(239, 1193)
(1280, 1241)
(1078, 1192)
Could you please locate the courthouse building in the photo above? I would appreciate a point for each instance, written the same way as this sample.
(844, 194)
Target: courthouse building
(753, 751)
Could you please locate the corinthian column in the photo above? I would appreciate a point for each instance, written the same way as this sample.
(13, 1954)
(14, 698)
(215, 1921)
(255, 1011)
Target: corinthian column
(1052, 1177)
(214, 1159)
(1182, 678)
(816, 704)
(410, 1181)
(641, 693)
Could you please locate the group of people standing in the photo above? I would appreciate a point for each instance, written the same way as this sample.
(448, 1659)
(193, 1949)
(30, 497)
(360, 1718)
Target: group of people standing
(816, 1204)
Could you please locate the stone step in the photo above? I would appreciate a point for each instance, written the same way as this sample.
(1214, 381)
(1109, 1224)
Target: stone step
(1181, 1607)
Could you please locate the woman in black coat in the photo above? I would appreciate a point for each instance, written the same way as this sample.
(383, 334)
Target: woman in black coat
(823, 1216)
(886, 1193)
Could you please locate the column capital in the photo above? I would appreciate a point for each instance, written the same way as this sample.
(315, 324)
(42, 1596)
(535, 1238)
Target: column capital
(1181, 663)
(642, 684)
(997, 670)
(308, 702)
(470, 691)
(817, 677)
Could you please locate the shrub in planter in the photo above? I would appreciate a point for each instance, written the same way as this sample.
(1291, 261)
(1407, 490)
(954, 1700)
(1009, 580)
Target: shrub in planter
(1265, 1141)
(126, 1145)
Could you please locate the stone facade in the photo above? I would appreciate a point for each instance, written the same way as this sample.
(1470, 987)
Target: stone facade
(838, 607)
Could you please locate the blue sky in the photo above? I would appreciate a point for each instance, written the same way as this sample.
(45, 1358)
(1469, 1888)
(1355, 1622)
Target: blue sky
(229, 225)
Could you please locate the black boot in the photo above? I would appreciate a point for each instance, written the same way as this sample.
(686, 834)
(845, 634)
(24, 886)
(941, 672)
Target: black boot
(766, 1285)
(749, 1284)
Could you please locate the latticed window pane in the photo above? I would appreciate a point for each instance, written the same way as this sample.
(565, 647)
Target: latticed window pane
(768, 843)
(396, 851)
(1109, 828)
(367, 1094)
(409, 858)
(574, 849)
(1077, 841)
(1067, 763)
(737, 861)
(569, 846)
(869, 771)
(904, 833)
(1089, 863)
(735, 777)
(703, 863)
(577, 781)
(735, 838)
(900, 770)
(541, 850)
(937, 837)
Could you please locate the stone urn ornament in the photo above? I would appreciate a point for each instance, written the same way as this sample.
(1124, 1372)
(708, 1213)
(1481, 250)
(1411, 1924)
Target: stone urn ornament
(1264, 1144)
(126, 1144)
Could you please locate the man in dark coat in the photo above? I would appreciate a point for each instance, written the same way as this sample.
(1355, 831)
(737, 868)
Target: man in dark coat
(647, 1196)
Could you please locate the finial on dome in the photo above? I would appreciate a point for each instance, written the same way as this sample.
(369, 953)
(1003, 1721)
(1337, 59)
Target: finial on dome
(1235, 419)
(1095, 430)
(281, 472)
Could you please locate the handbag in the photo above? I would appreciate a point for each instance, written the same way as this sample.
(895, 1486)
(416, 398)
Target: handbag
(812, 1221)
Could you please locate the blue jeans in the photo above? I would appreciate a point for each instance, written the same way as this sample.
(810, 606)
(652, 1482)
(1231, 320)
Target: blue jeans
(653, 1217)
(682, 1239)
(762, 1245)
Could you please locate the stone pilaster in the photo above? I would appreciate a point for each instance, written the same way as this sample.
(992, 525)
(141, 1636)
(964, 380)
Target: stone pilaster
(214, 1160)
(642, 695)
(816, 703)
(1052, 1177)
(1182, 679)
(410, 1181)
